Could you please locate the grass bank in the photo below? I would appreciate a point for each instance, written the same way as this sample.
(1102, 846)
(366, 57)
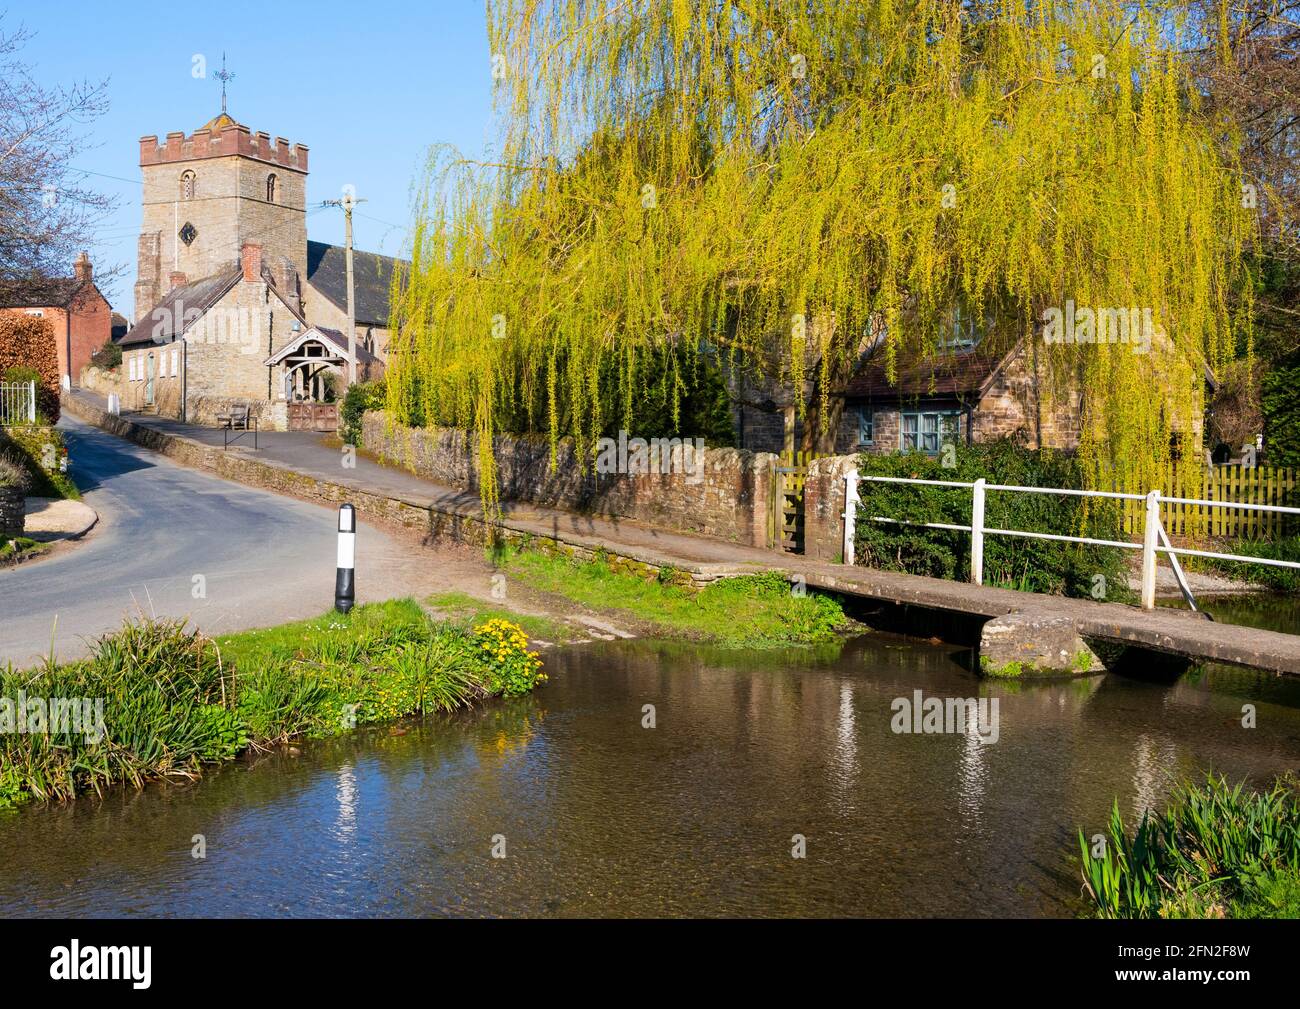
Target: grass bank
(1217, 851)
(754, 611)
(157, 700)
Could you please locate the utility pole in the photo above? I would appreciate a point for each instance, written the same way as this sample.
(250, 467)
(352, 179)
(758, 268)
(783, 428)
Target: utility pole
(347, 203)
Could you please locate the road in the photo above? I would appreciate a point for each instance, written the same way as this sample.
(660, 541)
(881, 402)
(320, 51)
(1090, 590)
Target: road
(177, 542)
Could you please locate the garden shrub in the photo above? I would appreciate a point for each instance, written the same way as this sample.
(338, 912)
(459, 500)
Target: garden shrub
(1012, 562)
(107, 357)
(37, 450)
(27, 342)
(360, 397)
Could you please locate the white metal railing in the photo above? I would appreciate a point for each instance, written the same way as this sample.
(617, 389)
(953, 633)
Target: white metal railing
(1155, 540)
(17, 403)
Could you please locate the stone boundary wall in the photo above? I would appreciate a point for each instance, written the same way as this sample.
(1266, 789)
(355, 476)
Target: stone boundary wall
(420, 521)
(730, 501)
(12, 511)
(101, 380)
(823, 508)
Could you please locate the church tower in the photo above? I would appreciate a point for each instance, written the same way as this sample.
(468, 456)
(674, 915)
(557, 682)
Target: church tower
(206, 195)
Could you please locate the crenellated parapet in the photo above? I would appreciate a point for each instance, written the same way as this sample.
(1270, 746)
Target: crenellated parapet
(232, 139)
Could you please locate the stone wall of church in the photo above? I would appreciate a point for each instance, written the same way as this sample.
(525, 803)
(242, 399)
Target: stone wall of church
(229, 206)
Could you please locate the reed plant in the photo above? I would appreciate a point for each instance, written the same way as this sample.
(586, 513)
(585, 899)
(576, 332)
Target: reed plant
(1218, 850)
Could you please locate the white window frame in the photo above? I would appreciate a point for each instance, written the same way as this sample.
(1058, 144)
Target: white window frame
(175, 361)
(930, 424)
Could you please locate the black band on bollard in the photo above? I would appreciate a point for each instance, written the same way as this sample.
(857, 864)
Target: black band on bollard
(344, 579)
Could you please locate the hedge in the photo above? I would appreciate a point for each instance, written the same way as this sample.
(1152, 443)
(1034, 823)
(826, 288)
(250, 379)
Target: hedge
(27, 342)
(1012, 562)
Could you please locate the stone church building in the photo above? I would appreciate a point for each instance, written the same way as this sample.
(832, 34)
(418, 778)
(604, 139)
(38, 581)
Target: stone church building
(234, 306)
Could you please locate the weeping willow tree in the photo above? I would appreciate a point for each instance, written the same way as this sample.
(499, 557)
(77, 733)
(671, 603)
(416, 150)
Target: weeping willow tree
(796, 182)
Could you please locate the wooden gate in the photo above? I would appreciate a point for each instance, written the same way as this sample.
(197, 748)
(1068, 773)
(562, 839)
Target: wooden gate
(314, 417)
(785, 504)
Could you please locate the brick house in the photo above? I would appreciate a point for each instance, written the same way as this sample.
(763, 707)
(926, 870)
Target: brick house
(79, 314)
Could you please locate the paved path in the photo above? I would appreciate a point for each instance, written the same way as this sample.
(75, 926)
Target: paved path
(322, 458)
(264, 559)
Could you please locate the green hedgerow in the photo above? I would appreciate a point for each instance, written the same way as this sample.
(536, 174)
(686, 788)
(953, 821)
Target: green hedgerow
(1012, 562)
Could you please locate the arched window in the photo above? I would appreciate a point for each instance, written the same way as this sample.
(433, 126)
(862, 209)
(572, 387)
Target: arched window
(270, 189)
(187, 185)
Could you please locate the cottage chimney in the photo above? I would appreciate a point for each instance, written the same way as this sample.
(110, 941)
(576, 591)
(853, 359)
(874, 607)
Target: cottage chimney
(177, 280)
(82, 269)
(250, 256)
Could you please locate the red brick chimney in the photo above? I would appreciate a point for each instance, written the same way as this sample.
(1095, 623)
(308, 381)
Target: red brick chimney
(82, 269)
(177, 280)
(250, 256)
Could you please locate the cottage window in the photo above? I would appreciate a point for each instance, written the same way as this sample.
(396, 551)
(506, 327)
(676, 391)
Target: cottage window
(187, 185)
(928, 431)
(270, 188)
(175, 361)
(962, 331)
(866, 426)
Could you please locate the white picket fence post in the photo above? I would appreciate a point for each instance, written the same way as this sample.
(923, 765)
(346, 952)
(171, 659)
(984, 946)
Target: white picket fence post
(1150, 538)
(977, 533)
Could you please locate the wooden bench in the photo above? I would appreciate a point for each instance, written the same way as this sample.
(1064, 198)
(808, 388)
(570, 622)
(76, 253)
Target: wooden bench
(236, 418)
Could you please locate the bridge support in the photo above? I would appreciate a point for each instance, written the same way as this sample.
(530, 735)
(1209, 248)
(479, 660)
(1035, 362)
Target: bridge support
(1027, 645)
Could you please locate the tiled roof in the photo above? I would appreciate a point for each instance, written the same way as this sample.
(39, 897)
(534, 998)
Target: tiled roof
(50, 292)
(950, 373)
(372, 275)
(218, 123)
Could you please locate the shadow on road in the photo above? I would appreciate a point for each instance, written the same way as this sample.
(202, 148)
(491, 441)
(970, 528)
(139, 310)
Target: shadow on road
(97, 457)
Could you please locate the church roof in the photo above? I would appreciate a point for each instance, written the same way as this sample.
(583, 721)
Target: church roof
(181, 308)
(219, 122)
(331, 339)
(372, 275)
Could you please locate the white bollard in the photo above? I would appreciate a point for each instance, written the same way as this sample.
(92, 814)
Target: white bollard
(114, 404)
(344, 581)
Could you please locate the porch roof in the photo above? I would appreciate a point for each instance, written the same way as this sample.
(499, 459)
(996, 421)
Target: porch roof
(334, 343)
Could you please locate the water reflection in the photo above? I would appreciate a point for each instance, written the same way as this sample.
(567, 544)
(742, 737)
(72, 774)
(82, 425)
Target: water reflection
(603, 816)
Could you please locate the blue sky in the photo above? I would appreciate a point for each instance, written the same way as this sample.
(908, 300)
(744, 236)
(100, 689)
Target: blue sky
(366, 86)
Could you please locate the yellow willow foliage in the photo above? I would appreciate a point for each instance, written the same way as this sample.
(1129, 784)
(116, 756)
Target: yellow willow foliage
(786, 180)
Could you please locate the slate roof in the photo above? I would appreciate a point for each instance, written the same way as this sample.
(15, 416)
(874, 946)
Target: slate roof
(371, 276)
(184, 304)
(956, 373)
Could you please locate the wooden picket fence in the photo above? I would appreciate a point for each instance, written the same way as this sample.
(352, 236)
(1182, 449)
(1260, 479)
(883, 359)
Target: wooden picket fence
(1263, 485)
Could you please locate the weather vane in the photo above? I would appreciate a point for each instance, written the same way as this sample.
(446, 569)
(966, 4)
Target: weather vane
(223, 76)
